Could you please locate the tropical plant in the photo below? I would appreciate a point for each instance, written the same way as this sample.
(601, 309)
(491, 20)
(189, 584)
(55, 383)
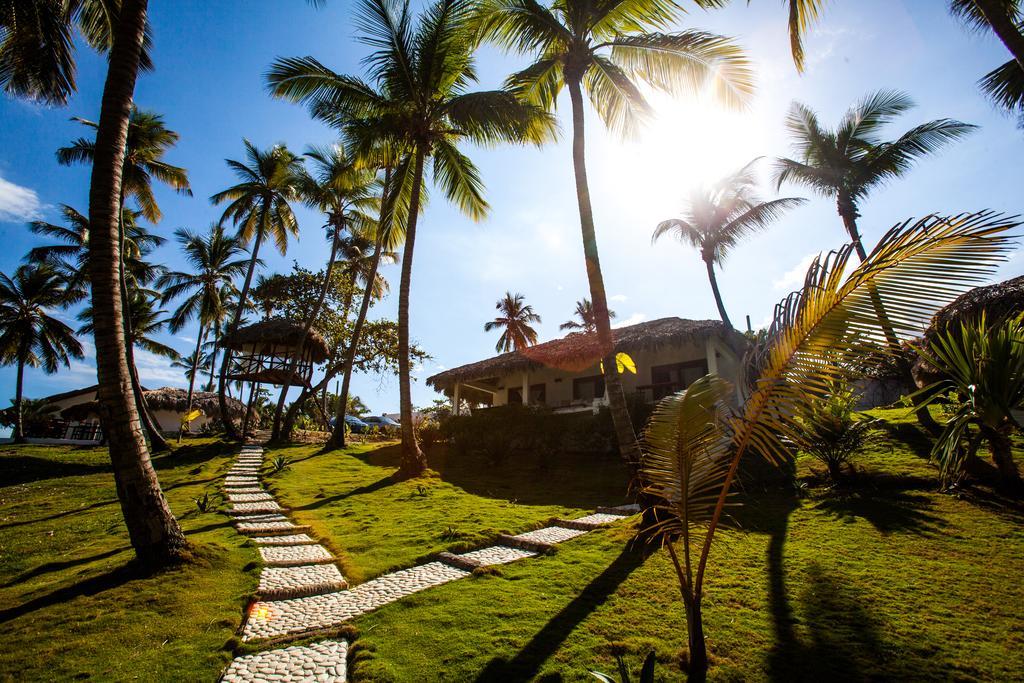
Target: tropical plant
(585, 320)
(37, 59)
(833, 431)
(982, 364)
(260, 208)
(70, 255)
(417, 106)
(29, 334)
(646, 672)
(215, 264)
(192, 365)
(695, 440)
(148, 140)
(342, 191)
(514, 318)
(1004, 84)
(608, 49)
(847, 163)
(718, 218)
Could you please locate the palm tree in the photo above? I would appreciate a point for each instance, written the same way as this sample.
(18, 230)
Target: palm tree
(606, 49)
(191, 365)
(36, 61)
(418, 103)
(585, 320)
(845, 164)
(696, 440)
(215, 265)
(514, 320)
(720, 217)
(260, 209)
(148, 140)
(341, 190)
(29, 334)
(1005, 18)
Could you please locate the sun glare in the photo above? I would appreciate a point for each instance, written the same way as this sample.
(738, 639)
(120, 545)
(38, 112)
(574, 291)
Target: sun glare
(686, 144)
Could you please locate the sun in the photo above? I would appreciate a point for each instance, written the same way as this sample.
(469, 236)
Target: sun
(687, 143)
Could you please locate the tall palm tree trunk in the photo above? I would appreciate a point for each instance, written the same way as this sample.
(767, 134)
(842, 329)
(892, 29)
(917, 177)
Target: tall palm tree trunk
(338, 436)
(19, 386)
(718, 295)
(213, 358)
(192, 380)
(229, 424)
(156, 438)
(848, 212)
(152, 529)
(997, 16)
(413, 462)
(310, 319)
(626, 437)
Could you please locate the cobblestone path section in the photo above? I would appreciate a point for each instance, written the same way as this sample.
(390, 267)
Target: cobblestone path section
(302, 592)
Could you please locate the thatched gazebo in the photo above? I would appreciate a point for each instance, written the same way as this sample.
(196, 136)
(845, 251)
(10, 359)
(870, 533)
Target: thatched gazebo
(263, 353)
(999, 302)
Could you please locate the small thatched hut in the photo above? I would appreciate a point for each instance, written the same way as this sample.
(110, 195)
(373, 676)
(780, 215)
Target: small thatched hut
(168, 406)
(565, 375)
(263, 352)
(999, 301)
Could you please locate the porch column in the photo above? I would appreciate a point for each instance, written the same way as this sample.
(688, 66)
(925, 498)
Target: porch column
(456, 399)
(712, 355)
(526, 388)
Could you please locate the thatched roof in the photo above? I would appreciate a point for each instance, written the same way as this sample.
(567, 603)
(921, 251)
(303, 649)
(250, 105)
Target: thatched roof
(579, 351)
(166, 398)
(279, 335)
(71, 394)
(999, 301)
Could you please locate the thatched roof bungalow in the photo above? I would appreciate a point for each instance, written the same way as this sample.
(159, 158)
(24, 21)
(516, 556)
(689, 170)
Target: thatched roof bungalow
(264, 351)
(168, 405)
(564, 374)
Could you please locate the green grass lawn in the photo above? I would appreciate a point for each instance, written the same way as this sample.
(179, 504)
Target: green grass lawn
(70, 605)
(883, 579)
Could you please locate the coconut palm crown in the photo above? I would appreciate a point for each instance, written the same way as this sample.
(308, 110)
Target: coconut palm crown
(718, 218)
(585, 320)
(514, 318)
(847, 163)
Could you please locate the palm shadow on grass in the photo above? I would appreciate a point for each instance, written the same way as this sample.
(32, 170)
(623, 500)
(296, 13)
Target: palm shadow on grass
(25, 469)
(528, 661)
(381, 483)
(890, 503)
(50, 567)
(86, 587)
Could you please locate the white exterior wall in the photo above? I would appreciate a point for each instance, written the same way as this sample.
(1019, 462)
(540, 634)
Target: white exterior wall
(558, 383)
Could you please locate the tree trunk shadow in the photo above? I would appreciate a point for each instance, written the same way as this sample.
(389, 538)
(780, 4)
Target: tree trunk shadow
(525, 665)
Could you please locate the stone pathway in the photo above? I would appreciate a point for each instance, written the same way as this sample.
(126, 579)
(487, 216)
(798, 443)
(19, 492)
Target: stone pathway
(301, 591)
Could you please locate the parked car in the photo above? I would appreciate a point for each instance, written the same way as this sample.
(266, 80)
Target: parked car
(382, 422)
(355, 425)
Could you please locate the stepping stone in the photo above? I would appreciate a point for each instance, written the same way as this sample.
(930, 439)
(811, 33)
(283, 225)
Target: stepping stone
(550, 535)
(293, 556)
(265, 517)
(595, 520)
(236, 490)
(244, 471)
(269, 619)
(621, 510)
(270, 528)
(297, 539)
(322, 662)
(241, 480)
(497, 554)
(249, 497)
(278, 583)
(250, 508)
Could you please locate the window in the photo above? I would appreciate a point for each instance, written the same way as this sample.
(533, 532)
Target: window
(538, 394)
(515, 396)
(587, 388)
(668, 379)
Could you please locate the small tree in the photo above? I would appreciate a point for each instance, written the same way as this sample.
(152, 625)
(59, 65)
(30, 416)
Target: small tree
(833, 431)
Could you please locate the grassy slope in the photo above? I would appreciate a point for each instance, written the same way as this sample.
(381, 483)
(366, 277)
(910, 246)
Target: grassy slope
(888, 580)
(68, 606)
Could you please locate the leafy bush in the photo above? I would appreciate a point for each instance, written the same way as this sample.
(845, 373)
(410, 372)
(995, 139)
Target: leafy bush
(646, 673)
(279, 464)
(833, 431)
(205, 503)
(429, 432)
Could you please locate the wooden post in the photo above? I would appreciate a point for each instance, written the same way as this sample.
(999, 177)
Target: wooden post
(456, 399)
(526, 388)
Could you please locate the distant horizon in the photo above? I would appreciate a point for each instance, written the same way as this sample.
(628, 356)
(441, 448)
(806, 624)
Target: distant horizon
(208, 85)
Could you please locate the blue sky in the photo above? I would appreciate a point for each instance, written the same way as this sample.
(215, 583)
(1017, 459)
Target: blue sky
(210, 59)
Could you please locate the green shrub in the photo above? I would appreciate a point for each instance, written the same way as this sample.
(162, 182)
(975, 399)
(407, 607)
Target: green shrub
(833, 431)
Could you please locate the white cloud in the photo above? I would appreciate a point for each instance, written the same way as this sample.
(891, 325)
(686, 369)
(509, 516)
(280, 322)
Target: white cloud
(631, 320)
(18, 203)
(156, 371)
(618, 297)
(794, 277)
